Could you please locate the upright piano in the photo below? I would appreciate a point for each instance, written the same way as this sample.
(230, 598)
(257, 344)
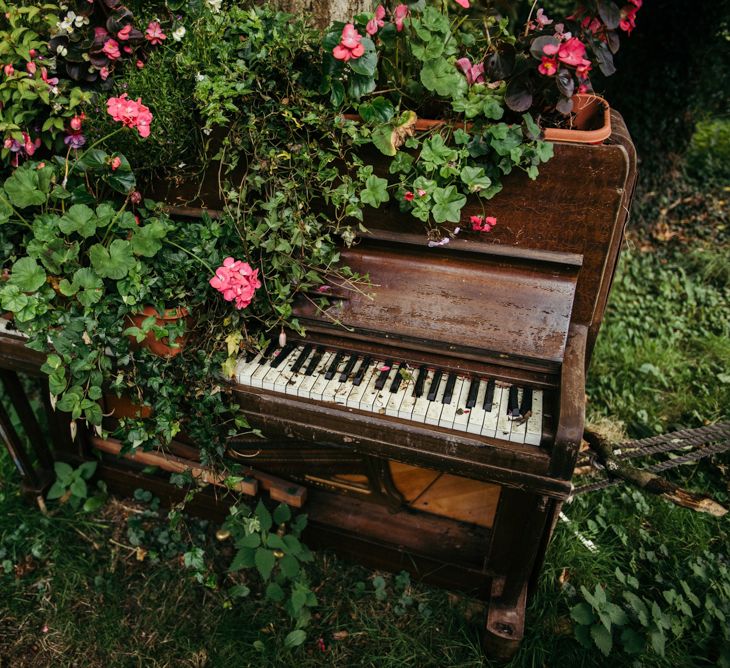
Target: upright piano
(435, 417)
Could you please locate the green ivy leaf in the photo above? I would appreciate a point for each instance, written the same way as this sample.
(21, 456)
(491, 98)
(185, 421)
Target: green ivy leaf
(112, 263)
(265, 561)
(375, 192)
(27, 275)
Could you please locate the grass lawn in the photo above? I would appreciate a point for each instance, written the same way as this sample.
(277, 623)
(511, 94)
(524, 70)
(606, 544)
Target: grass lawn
(77, 590)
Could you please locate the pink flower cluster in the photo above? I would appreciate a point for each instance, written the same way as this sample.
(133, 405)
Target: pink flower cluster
(349, 46)
(237, 281)
(21, 149)
(130, 113)
(628, 16)
(482, 224)
(570, 52)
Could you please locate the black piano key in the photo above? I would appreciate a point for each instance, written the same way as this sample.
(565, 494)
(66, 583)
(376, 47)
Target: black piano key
(526, 403)
(398, 377)
(434, 386)
(471, 399)
(273, 345)
(316, 359)
(283, 354)
(360, 374)
(348, 368)
(489, 396)
(449, 389)
(302, 358)
(250, 355)
(380, 383)
(332, 370)
(420, 382)
(513, 409)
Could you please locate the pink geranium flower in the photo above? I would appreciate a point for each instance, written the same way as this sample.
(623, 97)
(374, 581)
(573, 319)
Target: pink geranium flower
(349, 46)
(571, 52)
(482, 224)
(408, 197)
(399, 15)
(237, 282)
(378, 21)
(474, 73)
(111, 49)
(628, 16)
(130, 113)
(463, 3)
(154, 33)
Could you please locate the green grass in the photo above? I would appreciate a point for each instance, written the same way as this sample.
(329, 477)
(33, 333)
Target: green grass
(74, 592)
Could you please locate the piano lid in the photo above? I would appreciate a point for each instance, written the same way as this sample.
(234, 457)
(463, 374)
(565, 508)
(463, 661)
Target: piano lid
(454, 302)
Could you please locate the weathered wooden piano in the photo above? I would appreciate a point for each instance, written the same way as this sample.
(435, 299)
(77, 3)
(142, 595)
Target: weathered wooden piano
(437, 430)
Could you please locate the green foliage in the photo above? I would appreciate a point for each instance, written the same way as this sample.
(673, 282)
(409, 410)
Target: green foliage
(271, 544)
(71, 486)
(708, 155)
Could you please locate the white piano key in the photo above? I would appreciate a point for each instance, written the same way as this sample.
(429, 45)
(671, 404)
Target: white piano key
(280, 384)
(244, 369)
(491, 418)
(392, 407)
(461, 420)
(518, 427)
(269, 380)
(330, 390)
(320, 382)
(306, 384)
(405, 410)
(421, 404)
(504, 424)
(260, 372)
(533, 435)
(433, 412)
(370, 397)
(448, 412)
(358, 391)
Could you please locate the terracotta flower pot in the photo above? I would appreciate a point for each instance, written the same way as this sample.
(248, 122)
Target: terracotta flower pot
(124, 407)
(162, 347)
(591, 123)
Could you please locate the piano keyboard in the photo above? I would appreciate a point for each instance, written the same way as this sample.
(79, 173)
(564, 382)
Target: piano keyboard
(480, 406)
(8, 327)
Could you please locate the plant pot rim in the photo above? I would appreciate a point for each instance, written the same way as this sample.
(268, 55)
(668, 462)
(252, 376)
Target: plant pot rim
(581, 102)
(168, 314)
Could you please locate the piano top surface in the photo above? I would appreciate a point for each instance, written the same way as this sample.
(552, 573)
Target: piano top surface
(456, 302)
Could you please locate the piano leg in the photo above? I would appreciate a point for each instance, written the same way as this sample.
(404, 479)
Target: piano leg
(521, 521)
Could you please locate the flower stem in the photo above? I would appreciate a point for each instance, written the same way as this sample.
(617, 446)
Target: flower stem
(193, 255)
(15, 211)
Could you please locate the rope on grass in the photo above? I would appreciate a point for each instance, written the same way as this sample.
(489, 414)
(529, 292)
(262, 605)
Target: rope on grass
(706, 441)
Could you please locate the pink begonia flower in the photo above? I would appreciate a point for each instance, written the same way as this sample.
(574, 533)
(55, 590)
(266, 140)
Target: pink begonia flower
(154, 33)
(237, 281)
(592, 25)
(127, 49)
(408, 197)
(377, 21)
(31, 68)
(463, 3)
(570, 52)
(548, 66)
(115, 163)
(123, 34)
(474, 73)
(100, 33)
(349, 46)
(583, 88)
(482, 224)
(130, 113)
(399, 15)
(628, 17)
(111, 49)
(104, 73)
(583, 69)
(542, 18)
